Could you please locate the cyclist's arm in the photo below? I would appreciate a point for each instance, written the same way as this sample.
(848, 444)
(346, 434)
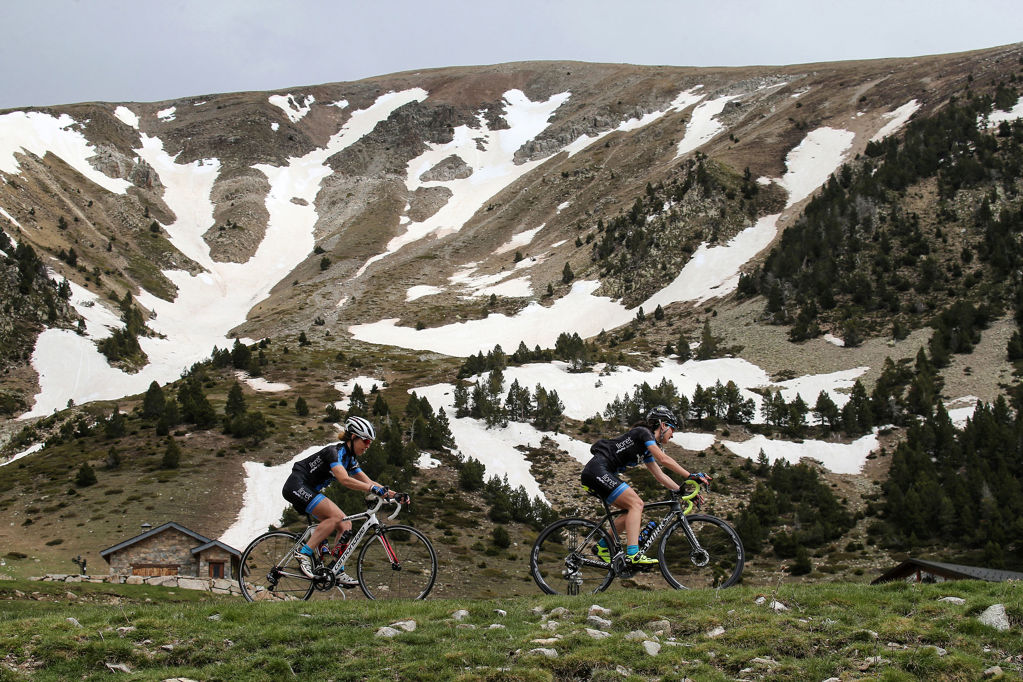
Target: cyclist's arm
(661, 459)
(357, 481)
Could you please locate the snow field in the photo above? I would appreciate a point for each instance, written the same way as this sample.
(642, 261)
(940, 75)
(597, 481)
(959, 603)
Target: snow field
(210, 304)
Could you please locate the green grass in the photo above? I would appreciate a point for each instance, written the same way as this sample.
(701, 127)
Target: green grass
(830, 630)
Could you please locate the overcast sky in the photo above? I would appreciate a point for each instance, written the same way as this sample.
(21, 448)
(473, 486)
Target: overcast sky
(63, 51)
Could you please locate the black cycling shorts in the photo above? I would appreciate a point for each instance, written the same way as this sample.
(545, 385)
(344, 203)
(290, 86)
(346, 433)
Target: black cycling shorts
(600, 480)
(300, 494)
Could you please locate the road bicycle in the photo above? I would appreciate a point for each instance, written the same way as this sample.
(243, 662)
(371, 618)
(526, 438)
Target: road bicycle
(394, 562)
(695, 550)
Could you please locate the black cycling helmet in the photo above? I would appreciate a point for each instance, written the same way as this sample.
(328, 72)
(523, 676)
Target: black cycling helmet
(662, 414)
(357, 426)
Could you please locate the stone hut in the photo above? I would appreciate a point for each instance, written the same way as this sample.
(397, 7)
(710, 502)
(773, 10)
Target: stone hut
(172, 549)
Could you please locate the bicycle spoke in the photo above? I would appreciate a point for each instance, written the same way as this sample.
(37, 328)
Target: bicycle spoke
(270, 573)
(717, 564)
(398, 563)
(563, 560)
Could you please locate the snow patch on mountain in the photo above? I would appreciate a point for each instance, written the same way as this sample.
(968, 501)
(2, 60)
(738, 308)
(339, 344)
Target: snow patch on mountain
(290, 106)
(127, 116)
(208, 305)
(998, 115)
(166, 114)
(491, 156)
(34, 132)
(896, 119)
(711, 272)
(703, 126)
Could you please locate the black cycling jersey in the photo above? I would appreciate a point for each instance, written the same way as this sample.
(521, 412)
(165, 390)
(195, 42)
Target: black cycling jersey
(627, 450)
(312, 474)
(315, 470)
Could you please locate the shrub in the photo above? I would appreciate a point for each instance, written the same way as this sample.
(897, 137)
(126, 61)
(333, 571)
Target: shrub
(86, 476)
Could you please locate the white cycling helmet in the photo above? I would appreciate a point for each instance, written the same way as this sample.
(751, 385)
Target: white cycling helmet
(360, 427)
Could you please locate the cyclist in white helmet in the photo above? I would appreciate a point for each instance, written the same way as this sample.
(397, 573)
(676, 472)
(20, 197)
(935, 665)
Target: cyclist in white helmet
(314, 473)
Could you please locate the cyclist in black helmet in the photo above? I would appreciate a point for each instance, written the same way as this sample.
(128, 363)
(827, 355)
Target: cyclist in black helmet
(611, 456)
(314, 473)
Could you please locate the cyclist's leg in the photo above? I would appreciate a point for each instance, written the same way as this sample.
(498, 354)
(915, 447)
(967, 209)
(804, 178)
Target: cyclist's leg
(629, 500)
(598, 479)
(330, 518)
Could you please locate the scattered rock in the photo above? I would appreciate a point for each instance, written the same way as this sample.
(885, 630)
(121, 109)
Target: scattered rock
(936, 649)
(214, 617)
(496, 626)
(873, 660)
(777, 606)
(622, 670)
(596, 610)
(760, 601)
(548, 653)
(74, 621)
(954, 600)
(406, 625)
(118, 668)
(550, 625)
(560, 612)
(465, 626)
(461, 614)
(167, 647)
(716, 632)
(597, 634)
(537, 610)
(995, 672)
(995, 616)
(636, 635)
(71, 595)
(598, 622)
(387, 632)
(660, 627)
(546, 640)
(501, 612)
(125, 629)
(651, 648)
(769, 662)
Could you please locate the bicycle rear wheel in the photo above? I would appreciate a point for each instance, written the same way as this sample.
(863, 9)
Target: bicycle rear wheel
(397, 562)
(564, 560)
(270, 572)
(718, 565)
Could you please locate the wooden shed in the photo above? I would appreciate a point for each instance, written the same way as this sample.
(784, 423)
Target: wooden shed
(923, 571)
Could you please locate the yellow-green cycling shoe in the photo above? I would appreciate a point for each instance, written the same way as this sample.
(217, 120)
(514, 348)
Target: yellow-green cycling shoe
(603, 553)
(642, 559)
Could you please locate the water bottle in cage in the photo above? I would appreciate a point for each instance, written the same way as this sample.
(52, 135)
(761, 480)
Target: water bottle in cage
(342, 542)
(647, 530)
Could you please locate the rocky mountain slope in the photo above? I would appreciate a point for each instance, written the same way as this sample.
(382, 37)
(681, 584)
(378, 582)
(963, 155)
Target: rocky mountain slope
(389, 227)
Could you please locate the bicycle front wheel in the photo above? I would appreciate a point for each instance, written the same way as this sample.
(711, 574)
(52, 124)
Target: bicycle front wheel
(716, 563)
(270, 572)
(398, 562)
(564, 560)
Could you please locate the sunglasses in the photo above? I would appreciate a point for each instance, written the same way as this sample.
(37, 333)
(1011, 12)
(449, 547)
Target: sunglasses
(367, 441)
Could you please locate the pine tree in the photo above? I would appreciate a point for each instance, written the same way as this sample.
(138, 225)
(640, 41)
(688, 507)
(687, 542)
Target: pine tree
(682, 347)
(171, 455)
(708, 344)
(301, 407)
(154, 403)
(235, 402)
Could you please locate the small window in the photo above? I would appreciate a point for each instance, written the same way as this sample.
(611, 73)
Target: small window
(216, 569)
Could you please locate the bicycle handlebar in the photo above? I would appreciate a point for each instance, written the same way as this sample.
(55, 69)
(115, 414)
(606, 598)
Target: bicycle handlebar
(380, 503)
(688, 497)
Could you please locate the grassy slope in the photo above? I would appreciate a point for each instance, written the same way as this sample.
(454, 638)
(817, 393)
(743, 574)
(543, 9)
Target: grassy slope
(834, 630)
